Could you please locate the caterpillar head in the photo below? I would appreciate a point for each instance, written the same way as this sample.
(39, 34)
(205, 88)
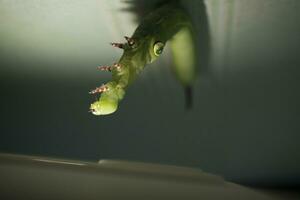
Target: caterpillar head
(103, 107)
(109, 100)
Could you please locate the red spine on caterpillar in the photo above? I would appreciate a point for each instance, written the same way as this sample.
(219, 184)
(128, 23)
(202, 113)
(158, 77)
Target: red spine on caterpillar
(100, 89)
(118, 45)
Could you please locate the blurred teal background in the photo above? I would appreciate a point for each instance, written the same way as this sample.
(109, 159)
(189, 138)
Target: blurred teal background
(245, 121)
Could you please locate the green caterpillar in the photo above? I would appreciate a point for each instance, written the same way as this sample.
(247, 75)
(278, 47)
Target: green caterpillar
(167, 23)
